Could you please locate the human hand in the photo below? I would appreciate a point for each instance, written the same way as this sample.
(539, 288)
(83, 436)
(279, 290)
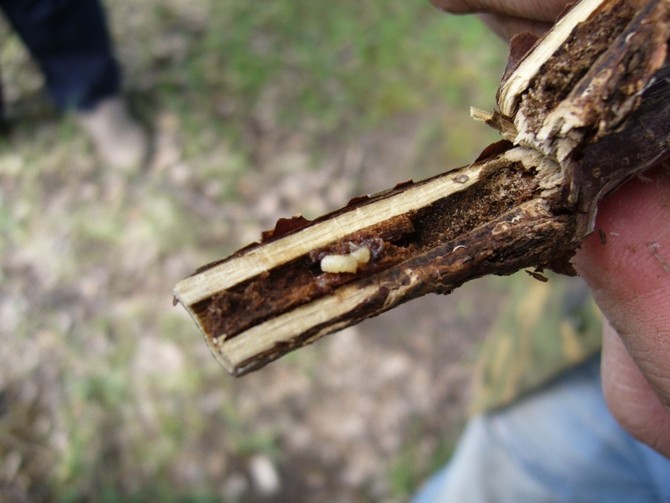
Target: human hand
(507, 18)
(629, 274)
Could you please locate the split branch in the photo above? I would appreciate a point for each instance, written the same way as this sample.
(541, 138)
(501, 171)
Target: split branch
(586, 108)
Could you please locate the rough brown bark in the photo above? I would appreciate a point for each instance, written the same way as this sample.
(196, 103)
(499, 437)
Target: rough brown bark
(585, 108)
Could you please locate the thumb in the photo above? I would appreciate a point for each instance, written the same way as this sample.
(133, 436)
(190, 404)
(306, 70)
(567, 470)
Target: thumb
(627, 265)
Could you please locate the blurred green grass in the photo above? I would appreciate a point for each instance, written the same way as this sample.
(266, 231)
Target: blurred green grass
(331, 62)
(259, 111)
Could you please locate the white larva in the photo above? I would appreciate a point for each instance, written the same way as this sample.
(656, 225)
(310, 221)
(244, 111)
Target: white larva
(346, 263)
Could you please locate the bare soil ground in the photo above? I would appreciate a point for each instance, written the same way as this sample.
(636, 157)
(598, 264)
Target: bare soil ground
(107, 392)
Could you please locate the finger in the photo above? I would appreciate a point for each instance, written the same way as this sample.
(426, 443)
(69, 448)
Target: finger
(508, 26)
(630, 397)
(627, 265)
(546, 11)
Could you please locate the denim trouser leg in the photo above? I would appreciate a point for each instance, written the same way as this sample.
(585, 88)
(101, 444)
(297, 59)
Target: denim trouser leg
(70, 42)
(558, 445)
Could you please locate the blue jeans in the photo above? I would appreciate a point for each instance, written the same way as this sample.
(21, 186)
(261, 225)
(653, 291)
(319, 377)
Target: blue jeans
(559, 445)
(70, 42)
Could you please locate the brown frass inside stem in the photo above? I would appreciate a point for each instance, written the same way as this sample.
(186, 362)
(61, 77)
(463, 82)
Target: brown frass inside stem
(250, 302)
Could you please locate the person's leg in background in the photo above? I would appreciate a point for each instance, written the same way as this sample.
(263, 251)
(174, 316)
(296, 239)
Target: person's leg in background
(541, 430)
(559, 444)
(70, 41)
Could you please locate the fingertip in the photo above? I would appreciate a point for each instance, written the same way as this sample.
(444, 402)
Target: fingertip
(508, 26)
